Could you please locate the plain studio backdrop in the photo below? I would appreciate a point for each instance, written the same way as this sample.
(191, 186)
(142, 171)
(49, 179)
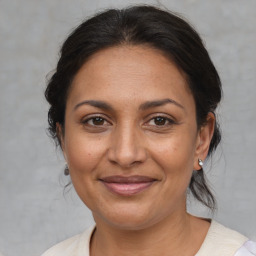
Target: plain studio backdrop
(34, 211)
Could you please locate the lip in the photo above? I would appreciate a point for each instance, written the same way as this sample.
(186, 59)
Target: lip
(127, 186)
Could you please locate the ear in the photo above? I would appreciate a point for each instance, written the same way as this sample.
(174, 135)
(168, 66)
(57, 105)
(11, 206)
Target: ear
(204, 138)
(60, 136)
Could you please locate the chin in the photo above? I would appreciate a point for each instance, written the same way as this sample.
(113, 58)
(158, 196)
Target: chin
(127, 218)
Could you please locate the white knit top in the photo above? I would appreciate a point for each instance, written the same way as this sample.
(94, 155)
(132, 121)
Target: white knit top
(219, 241)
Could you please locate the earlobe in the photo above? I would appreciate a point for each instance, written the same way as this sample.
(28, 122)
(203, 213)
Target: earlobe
(204, 140)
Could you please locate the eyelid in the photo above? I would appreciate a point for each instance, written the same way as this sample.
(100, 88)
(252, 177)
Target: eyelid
(96, 115)
(163, 115)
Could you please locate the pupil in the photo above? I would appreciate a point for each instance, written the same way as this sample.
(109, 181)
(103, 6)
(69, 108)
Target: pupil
(160, 121)
(98, 121)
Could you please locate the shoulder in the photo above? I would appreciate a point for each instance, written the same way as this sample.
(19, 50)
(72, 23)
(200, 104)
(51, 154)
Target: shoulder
(64, 247)
(248, 249)
(223, 241)
(75, 246)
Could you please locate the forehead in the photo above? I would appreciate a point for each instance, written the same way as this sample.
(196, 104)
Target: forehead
(125, 72)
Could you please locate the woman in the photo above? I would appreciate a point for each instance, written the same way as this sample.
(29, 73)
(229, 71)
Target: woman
(132, 106)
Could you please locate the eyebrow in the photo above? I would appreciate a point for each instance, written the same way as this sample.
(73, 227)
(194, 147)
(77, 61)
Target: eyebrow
(148, 104)
(95, 103)
(158, 103)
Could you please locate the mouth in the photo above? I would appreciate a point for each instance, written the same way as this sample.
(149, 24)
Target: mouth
(127, 186)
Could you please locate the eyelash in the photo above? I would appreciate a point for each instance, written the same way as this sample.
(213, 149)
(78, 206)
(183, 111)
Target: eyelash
(166, 121)
(94, 118)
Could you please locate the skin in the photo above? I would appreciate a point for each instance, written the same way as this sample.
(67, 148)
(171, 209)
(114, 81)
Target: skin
(122, 136)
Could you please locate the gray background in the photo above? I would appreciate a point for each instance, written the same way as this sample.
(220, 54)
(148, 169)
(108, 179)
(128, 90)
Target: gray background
(34, 212)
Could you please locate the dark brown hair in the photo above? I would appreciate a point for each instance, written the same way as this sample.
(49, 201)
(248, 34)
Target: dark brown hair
(156, 28)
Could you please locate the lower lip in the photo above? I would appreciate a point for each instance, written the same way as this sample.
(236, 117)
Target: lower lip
(127, 189)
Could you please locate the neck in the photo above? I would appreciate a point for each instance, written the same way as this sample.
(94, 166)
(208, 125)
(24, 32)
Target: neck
(174, 235)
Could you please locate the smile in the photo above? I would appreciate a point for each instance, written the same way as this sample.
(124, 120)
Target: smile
(127, 186)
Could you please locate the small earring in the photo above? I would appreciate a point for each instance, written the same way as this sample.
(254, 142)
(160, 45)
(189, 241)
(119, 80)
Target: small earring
(66, 170)
(200, 162)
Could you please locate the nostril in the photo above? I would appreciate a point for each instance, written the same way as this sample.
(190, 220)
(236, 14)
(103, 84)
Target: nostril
(126, 146)
(125, 158)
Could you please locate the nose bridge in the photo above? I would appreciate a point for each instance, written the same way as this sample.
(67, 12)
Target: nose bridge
(127, 147)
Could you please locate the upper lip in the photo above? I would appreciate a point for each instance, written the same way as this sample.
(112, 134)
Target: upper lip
(127, 179)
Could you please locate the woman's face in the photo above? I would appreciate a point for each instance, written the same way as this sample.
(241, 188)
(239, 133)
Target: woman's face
(131, 140)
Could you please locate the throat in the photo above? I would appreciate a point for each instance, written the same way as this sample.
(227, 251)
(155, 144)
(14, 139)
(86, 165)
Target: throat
(177, 239)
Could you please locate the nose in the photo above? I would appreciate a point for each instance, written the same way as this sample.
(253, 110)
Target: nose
(127, 147)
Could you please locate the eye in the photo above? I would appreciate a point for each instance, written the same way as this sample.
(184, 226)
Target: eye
(96, 121)
(160, 121)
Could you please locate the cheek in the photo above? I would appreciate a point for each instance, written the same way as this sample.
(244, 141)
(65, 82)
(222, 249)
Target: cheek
(175, 153)
(175, 156)
(83, 153)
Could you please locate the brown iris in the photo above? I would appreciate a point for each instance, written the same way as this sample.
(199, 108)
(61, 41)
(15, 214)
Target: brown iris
(160, 120)
(98, 121)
